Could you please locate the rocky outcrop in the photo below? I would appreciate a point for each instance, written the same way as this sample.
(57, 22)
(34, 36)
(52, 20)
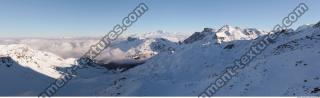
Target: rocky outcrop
(194, 37)
(6, 61)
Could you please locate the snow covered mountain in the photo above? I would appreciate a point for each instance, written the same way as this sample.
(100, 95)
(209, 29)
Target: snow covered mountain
(42, 62)
(29, 61)
(288, 67)
(25, 71)
(35, 53)
(135, 50)
(225, 34)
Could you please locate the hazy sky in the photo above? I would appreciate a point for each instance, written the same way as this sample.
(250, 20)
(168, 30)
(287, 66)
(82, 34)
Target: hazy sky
(69, 18)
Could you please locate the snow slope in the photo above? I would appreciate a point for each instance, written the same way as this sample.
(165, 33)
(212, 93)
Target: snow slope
(19, 80)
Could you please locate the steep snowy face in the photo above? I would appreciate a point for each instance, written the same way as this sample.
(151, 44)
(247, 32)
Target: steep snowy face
(228, 34)
(42, 62)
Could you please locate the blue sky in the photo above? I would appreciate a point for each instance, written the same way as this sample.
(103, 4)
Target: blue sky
(74, 18)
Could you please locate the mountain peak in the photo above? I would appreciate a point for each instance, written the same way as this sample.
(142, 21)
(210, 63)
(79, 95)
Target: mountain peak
(199, 35)
(228, 33)
(208, 30)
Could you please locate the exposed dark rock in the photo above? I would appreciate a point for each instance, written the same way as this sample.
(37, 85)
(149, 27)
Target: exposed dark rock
(316, 90)
(124, 66)
(85, 61)
(229, 46)
(131, 39)
(6, 61)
